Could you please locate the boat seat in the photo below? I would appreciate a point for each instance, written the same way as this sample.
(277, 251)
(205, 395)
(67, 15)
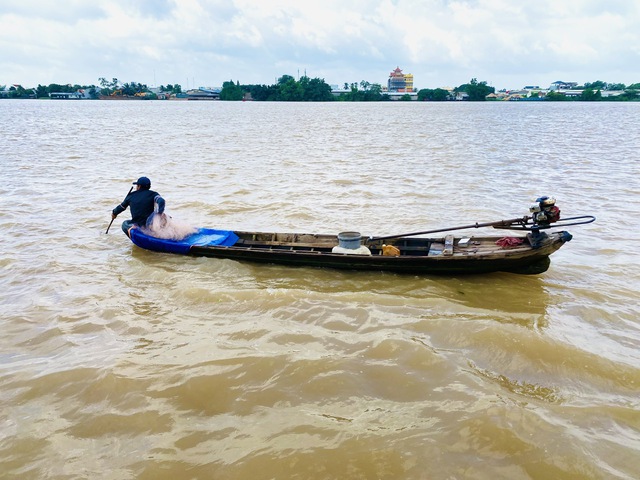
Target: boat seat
(448, 245)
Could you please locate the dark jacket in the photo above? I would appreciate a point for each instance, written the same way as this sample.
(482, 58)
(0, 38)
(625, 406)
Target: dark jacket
(141, 203)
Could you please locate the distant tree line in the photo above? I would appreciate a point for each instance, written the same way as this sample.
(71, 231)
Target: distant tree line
(17, 91)
(42, 91)
(133, 89)
(592, 92)
(288, 89)
(107, 88)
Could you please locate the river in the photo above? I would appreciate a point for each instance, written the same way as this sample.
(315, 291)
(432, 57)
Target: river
(119, 363)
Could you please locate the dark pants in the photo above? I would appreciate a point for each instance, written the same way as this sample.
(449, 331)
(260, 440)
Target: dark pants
(126, 225)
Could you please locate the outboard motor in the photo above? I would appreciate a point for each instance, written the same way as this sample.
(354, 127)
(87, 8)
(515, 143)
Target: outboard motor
(544, 213)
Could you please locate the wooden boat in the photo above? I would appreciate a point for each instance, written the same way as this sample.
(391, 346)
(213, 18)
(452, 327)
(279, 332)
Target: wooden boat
(449, 254)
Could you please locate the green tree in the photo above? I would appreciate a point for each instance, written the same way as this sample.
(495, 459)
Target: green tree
(588, 95)
(128, 89)
(20, 92)
(262, 93)
(354, 94)
(374, 93)
(171, 88)
(41, 91)
(597, 85)
(108, 87)
(556, 97)
(231, 91)
(291, 91)
(105, 86)
(477, 91)
(55, 87)
(315, 90)
(371, 92)
(435, 95)
(284, 79)
(629, 94)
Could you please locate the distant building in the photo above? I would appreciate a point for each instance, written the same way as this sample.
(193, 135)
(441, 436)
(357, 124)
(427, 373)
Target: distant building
(562, 85)
(66, 95)
(400, 82)
(611, 93)
(203, 93)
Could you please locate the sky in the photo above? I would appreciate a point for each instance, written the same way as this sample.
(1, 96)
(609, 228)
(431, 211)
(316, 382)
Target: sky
(443, 43)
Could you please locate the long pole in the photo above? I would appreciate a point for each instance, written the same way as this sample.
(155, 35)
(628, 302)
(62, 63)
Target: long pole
(500, 223)
(112, 219)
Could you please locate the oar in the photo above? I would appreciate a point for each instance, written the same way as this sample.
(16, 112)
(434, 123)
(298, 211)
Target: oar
(500, 223)
(112, 219)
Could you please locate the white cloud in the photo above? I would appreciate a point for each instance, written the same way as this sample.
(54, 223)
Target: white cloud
(443, 43)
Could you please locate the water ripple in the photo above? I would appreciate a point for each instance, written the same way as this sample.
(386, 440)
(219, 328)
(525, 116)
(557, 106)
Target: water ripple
(144, 365)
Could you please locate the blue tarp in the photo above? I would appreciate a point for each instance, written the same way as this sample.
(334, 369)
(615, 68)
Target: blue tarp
(202, 238)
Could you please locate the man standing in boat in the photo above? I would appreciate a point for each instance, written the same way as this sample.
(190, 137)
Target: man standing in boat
(141, 201)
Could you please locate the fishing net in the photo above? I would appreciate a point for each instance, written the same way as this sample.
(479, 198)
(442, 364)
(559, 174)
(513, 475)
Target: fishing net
(161, 225)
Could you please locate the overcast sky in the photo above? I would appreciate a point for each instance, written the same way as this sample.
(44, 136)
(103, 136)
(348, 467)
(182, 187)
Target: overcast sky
(443, 43)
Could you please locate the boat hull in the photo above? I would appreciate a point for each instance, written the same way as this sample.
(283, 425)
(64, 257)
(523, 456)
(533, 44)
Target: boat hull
(533, 264)
(423, 256)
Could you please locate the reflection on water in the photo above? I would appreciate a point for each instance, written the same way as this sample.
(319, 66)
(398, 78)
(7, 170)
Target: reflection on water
(145, 365)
